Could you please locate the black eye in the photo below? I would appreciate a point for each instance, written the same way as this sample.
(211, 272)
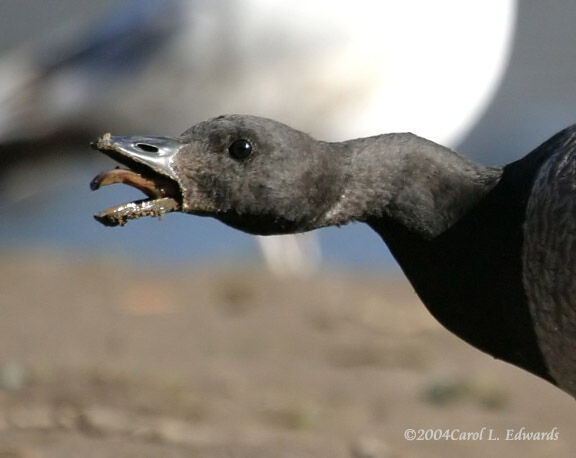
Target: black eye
(240, 149)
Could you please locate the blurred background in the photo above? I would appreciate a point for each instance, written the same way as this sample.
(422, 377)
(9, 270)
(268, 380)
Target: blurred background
(335, 70)
(171, 336)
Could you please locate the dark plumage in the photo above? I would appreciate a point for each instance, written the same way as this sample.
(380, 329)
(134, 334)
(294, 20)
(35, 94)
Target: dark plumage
(490, 251)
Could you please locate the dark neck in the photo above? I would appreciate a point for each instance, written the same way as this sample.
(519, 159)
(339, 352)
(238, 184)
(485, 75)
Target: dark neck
(455, 228)
(470, 276)
(423, 186)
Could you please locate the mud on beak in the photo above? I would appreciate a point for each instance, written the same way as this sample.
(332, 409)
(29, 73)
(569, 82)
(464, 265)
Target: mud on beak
(149, 168)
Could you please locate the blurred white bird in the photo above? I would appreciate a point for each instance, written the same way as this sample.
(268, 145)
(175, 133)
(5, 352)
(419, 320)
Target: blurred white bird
(333, 68)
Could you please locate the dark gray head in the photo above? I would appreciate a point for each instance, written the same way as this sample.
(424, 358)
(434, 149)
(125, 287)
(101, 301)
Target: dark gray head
(263, 177)
(257, 175)
(254, 174)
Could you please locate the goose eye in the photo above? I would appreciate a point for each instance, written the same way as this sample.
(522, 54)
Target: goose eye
(240, 149)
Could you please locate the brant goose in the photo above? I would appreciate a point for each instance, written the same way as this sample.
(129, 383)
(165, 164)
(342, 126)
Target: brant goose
(490, 251)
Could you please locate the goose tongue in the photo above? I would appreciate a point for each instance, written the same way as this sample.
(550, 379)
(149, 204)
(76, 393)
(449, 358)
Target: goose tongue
(151, 187)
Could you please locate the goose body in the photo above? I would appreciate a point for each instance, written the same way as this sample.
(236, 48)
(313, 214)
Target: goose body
(490, 251)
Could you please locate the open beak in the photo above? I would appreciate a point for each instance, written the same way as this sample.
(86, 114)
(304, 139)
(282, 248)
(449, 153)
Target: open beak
(149, 168)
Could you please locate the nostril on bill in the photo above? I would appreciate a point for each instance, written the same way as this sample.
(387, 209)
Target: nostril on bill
(146, 147)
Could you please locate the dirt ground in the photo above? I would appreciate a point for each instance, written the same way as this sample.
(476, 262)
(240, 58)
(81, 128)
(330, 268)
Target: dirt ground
(99, 358)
